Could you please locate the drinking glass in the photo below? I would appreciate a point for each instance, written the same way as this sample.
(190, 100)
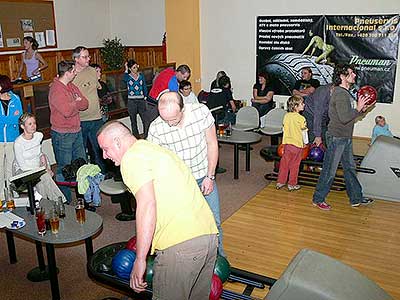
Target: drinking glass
(54, 221)
(80, 211)
(41, 220)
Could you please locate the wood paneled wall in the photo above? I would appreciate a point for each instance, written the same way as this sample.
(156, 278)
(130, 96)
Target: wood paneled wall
(146, 56)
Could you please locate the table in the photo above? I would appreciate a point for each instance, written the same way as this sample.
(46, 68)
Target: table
(70, 231)
(240, 138)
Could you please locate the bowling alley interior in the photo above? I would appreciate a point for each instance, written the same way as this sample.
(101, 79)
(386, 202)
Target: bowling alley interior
(326, 229)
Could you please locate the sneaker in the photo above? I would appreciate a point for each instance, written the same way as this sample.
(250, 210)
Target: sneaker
(279, 185)
(357, 204)
(322, 205)
(366, 201)
(220, 170)
(293, 187)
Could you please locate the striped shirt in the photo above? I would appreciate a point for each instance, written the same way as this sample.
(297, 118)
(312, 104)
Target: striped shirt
(188, 142)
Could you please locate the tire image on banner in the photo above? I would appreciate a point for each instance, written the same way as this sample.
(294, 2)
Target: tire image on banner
(286, 68)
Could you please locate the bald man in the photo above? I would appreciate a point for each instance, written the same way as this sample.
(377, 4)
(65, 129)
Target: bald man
(189, 131)
(172, 219)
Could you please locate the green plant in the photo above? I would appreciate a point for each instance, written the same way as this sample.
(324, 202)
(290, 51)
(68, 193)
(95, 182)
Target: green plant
(113, 54)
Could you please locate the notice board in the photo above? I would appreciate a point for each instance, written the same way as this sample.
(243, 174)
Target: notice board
(27, 18)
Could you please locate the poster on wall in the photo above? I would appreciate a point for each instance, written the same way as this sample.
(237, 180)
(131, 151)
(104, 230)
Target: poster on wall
(286, 44)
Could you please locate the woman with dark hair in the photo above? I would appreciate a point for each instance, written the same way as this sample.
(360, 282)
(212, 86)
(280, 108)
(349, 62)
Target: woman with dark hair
(137, 93)
(32, 59)
(263, 94)
(10, 111)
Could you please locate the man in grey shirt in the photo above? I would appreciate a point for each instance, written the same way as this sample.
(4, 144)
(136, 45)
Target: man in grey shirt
(339, 139)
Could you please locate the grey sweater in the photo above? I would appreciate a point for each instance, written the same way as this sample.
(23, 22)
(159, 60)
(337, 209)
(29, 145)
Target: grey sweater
(341, 114)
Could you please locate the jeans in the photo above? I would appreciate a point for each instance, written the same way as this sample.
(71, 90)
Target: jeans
(138, 106)
(339, 150)
(89, 131)
(213, 202)
(67, 147)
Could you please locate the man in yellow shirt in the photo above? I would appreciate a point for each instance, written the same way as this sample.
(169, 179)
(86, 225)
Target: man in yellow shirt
(171, 216)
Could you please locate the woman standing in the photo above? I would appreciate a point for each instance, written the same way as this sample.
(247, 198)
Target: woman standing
(137, 92)
(263, 94)
(10, 111)
(32, 59)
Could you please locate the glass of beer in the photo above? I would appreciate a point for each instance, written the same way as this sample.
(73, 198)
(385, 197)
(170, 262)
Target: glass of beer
(10, 204)
(221, 129)
(80, 211)
(41, 220)
(54, 221)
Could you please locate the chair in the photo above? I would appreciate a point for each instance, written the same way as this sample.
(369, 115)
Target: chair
(274, 124)
(247, 118)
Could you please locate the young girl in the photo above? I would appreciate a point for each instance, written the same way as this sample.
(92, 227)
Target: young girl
(32, 59)
(137, 91)
(381, 128)
(28, 156)
(293, 125)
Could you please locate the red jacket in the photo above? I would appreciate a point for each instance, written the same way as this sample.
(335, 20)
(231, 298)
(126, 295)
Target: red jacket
(161, 82)
(64, 108)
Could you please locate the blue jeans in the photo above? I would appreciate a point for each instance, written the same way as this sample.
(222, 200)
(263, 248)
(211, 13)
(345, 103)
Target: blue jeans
(67, 147)
(89, 132)
(339, 150)
(213, 201)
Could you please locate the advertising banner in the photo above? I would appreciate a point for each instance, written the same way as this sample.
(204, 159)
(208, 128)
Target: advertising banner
(286, 44)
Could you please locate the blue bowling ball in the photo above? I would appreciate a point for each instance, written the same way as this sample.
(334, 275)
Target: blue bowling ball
(122, 263)
(317, 154)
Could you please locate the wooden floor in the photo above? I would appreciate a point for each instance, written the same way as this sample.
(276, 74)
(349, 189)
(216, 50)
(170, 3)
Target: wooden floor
(270, 229)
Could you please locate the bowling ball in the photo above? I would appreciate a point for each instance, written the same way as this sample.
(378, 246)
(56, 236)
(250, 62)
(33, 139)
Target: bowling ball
(280, 149)
(216, 288)
(149, 270)
(305, 153)
(368, 90)
(222, 268)
(131, 245)
(122, 263)
(317, 154)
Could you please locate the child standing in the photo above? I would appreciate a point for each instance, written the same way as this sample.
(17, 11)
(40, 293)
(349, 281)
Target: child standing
(293, 125)
(381, 128)
(137, 92)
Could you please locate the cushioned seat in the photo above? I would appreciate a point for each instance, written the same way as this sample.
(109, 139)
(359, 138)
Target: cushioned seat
(112, 187)
(247, 118)
(273, 124)
(119, 194)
